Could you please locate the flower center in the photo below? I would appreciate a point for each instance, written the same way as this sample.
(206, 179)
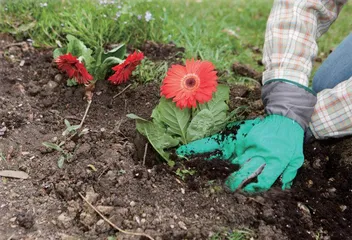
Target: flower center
(190, 81)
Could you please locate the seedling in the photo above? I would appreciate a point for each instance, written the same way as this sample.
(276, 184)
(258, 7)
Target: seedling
(67, 135)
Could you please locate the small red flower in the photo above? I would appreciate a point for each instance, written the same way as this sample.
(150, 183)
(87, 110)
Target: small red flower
(188, 85)
(73, 68)
(124, 70)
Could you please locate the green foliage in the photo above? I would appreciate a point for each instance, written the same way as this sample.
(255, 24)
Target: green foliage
(232, 235)
(183, 173)
(68, 134)
(171, 126)
(157, 136)
(220, 31)
(149, 71)
(64, 155)
(98, 63)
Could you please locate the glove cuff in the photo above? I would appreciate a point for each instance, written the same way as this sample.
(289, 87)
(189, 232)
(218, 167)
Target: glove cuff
(290, 100)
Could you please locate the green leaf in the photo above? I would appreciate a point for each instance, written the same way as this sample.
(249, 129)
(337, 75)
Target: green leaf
(60, 161)
(106, 66)
(98, 54)
(157, 137)
(78, 49)
(118, 52)
(67, 123)
(174, 118)
(53, 146)
(59, 51)
(24, 28)
(218, 107)
(135, 117)
(201, 125)
(71, 82)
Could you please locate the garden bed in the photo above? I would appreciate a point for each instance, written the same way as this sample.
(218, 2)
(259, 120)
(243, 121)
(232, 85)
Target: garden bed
(107, 168)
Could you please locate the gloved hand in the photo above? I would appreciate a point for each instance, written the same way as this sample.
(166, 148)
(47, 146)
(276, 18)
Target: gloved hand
(267, 147)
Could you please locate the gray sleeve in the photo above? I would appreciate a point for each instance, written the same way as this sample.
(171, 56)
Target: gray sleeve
(289, 100)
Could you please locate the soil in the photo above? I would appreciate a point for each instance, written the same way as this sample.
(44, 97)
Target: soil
(151, 198)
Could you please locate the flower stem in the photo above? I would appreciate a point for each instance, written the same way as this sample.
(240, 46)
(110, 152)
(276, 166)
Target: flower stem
(85, 113)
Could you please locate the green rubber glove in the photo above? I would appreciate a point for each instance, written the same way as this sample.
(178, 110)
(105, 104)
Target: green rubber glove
(221, 145)
(272, 148)
(268, 147)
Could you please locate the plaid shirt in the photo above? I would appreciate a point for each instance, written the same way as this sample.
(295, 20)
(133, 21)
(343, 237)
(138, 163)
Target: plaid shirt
(290, 47)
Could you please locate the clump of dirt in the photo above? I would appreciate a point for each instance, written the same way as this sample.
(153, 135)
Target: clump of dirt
(157, 51)
(246, 71)
(135, 195)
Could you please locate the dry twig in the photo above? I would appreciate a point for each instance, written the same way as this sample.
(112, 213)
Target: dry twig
(85, 114)
(145, 153)
(113, 225)
(128, 86)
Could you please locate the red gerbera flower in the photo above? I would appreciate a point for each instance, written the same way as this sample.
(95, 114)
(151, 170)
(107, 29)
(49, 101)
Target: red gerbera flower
(188, 85)
(73, 68)
(124, 70)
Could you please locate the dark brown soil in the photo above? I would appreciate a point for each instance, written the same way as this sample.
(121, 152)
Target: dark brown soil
(151, 198)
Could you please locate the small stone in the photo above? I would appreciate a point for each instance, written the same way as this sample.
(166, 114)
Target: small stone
(143, 221)
(317, 164)
(87, 219)
(25, 220)
(102, 227)
(303, 207)
(92, 197)
(182, 225)
(33, 89)
(14, 50)
(310, 183)
(70, 146)
(83, 149)
(132, 203)
(64, 221)
(106, 210)
(122, 211)
(68, 237)
(343, 208)
(49, 88)
(58, 78)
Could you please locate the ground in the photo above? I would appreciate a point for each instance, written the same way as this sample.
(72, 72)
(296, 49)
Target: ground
(141, 196)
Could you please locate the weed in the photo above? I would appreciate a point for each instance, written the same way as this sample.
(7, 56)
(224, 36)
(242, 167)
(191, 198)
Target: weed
(149, 71)
(183, 173)
(232, 235)
(70, 132)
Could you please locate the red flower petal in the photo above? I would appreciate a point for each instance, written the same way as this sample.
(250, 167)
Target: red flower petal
(124, 70)
(73, 68)
(190, 84)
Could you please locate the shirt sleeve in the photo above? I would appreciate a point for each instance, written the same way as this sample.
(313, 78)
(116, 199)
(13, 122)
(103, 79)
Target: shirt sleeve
(291, 33)
(332, 116)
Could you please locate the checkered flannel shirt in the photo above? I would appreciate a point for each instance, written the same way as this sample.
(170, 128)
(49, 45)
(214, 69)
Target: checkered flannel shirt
(290, 46)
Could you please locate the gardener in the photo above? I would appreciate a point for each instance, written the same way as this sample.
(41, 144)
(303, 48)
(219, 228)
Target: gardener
(273, 146)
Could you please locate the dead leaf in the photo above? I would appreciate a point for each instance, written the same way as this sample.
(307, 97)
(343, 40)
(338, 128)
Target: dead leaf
(14, 174)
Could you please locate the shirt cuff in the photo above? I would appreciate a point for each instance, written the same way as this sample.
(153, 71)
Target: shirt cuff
(289, 74)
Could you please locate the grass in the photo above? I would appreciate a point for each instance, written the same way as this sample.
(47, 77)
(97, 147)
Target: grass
(232, 235)
(221, 31)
